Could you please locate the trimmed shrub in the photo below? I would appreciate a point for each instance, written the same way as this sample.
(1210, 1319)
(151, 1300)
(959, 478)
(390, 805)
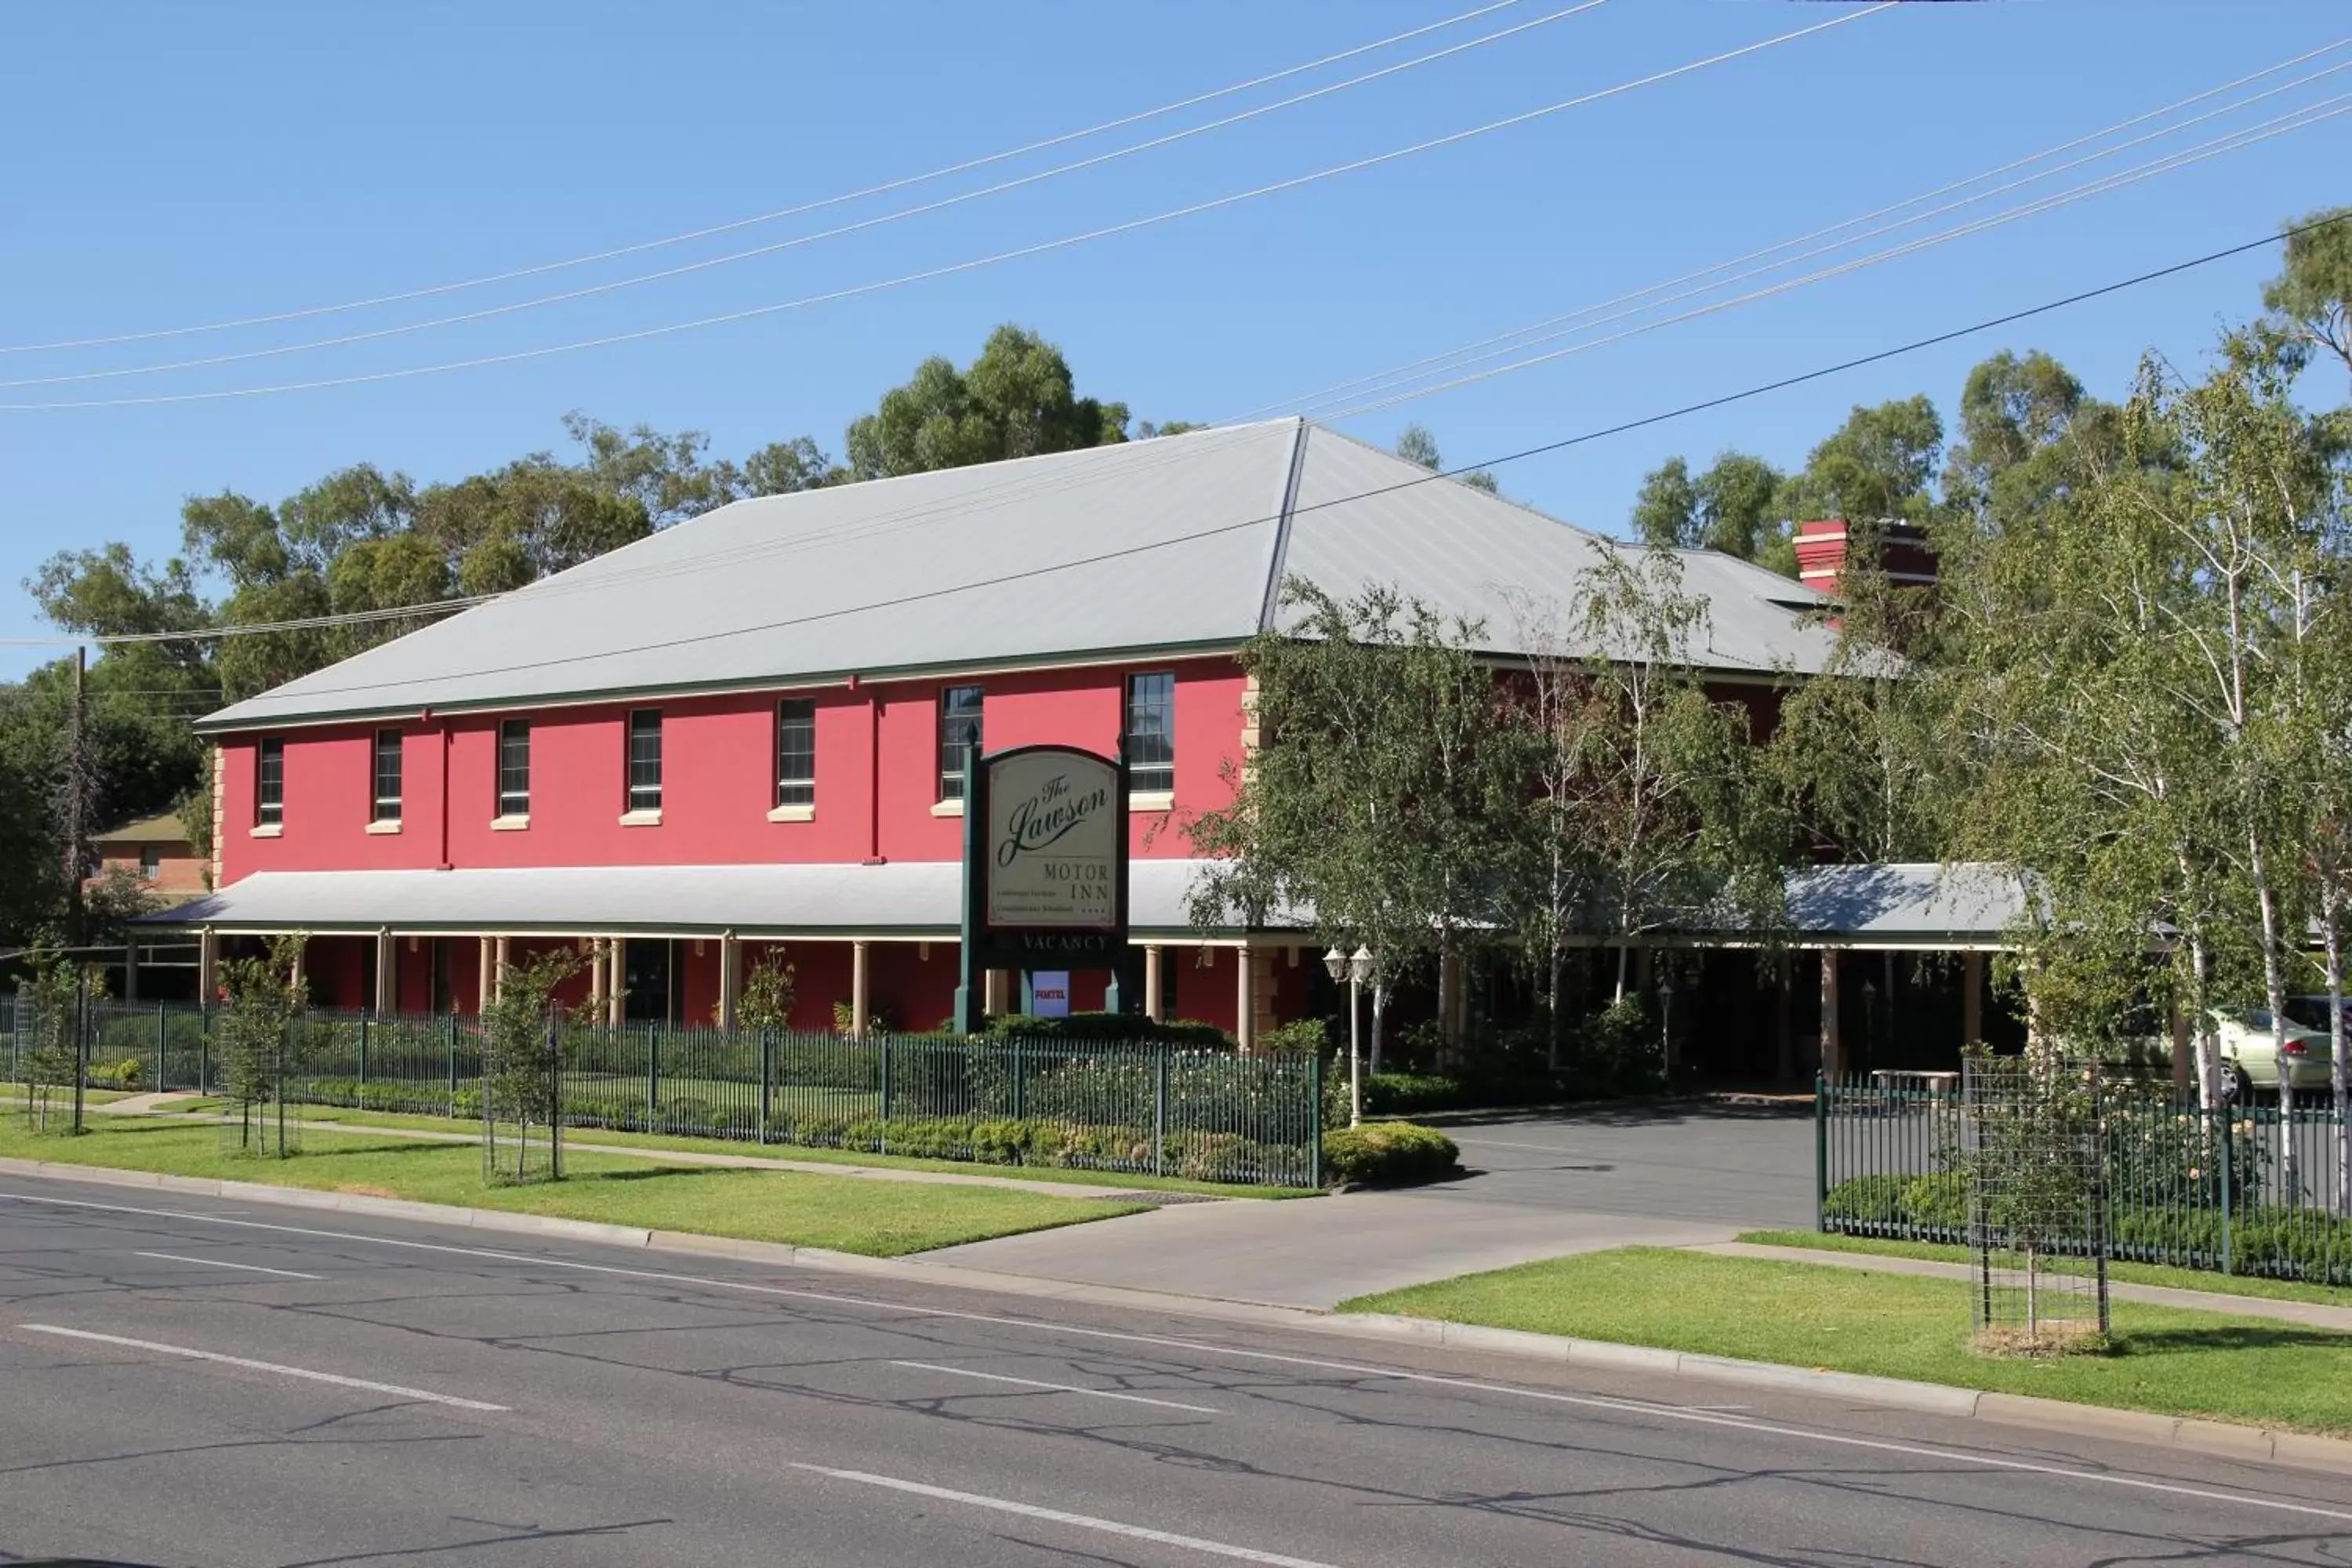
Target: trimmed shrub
(1388, 1153)
(1300, 1037)
(1108, 1028)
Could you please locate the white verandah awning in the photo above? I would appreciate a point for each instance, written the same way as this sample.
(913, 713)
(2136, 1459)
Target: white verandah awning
(906, 900)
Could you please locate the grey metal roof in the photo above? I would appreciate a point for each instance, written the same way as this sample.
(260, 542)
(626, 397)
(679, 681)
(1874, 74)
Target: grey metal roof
(917, 898)
(1155, 545)
(1905, 904)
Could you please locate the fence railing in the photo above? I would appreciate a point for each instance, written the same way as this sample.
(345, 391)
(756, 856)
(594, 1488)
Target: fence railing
(1128, 1108)
(2240, 1188)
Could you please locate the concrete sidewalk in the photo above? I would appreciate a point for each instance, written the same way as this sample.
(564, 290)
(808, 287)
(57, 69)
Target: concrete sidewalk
(1314, 1255)
(2312, 1314)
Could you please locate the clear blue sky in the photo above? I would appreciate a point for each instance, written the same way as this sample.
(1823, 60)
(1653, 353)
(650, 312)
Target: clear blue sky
(175, 165)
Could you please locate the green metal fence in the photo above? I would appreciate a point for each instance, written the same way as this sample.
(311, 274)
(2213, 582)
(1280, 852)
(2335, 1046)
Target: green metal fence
(1128, 1108)
(2245, 1189)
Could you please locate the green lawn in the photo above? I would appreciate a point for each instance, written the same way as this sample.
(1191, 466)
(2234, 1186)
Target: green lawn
(12, 1096)
(882, 1220)
(2133, 1273)
(654, 1141)
(1802, 1314)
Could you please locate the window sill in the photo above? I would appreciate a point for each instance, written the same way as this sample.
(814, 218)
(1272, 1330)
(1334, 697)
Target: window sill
(794, 813)
(1151, 800)
(946, 808)
(642, 818)
(384, 824)
(268, 829)
(510, 823)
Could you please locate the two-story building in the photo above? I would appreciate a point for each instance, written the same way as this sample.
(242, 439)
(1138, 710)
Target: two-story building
(742, 733)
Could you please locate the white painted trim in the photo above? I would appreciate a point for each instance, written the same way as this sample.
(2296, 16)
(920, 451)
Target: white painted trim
(946, 808)
(1151, 800)
(642, 818)
(510, 823)
(266, 830)
(794, 813)
(384, 824)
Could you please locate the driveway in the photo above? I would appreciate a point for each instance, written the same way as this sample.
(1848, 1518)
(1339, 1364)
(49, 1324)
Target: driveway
(1537, 1186)
(1745, 1165)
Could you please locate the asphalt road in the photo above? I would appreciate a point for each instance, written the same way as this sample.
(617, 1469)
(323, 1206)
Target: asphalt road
(190, 1381)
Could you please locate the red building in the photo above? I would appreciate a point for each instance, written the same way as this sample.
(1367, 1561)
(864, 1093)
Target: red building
(739, 732)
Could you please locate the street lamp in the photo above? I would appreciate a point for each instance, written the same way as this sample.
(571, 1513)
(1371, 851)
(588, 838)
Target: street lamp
(1355, 970)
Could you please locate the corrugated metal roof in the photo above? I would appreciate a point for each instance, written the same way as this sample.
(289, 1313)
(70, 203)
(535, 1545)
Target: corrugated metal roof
(164, 829)
(916, 898)
(1155, 545)
(1906, 903)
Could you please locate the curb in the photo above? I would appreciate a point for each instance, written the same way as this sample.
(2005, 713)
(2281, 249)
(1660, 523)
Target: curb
(2218, 1439)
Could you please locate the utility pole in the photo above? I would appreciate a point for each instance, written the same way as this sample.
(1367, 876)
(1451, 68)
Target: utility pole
(78, 790)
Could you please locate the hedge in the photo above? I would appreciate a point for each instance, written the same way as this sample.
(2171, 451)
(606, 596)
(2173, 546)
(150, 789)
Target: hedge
(1388, 1153)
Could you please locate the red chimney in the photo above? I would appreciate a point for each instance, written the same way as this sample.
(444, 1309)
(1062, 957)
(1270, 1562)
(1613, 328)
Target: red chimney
(1900, 548)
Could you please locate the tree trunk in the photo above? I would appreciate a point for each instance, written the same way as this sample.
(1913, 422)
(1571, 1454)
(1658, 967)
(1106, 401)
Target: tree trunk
(2274, 994)
(2202, 1039)
(2339, 1071)
(1380, 1005)
(1551, 1014)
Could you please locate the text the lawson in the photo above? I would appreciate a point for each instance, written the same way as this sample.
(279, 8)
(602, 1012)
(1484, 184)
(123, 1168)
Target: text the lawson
(1053, 842)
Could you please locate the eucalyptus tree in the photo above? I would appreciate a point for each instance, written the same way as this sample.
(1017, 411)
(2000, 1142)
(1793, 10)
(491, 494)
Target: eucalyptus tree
(1378, 795)
(1668, 795)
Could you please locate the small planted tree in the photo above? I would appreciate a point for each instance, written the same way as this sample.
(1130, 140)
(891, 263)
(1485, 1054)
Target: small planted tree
(49, 999)
(2034, 1156)
(524, 1042)
(767, 994)
(261, 1048)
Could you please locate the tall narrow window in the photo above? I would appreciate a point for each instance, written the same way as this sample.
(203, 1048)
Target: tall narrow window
(269, 783)
(796, 752)
(959, 728)
(514, 767)
(645, 760)
(1151, 733)
(387, 775)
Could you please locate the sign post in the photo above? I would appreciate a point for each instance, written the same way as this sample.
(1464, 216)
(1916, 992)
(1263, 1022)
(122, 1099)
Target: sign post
(1044, 869)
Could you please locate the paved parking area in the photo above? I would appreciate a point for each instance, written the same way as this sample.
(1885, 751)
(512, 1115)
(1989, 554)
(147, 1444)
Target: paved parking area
(1538, 1187)
(1745, 1165)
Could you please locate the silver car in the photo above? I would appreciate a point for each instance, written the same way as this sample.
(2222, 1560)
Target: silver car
(2254, 1055)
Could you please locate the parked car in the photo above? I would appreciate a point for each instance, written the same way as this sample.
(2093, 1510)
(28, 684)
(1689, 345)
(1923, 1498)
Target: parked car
(2253, 1056)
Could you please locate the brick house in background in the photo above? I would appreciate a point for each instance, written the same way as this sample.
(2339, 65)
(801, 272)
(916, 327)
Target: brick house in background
(156, 851)
(740, 732)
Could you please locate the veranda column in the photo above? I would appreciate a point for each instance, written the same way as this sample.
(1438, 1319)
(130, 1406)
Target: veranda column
(616, 983)
(498, 977)
(1245, 999)
(995, 985)
(207, 967)
(301, 950)
(1785, 1057)
(486, 974)
(1153, 1008)
(731, 978)
(1832, 1045)
(859, 1006)
(1972, 1001)
(387, 973)
(597, 970)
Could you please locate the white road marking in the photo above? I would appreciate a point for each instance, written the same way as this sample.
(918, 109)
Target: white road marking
(1058, 1387)
(240, 1268)
(1500, 1144)
(304, 1373)
(1697, 1415)
(1056, 1516)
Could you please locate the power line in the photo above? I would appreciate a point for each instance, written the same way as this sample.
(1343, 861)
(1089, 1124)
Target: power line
(799, 241)
(2237, 141)
(1361, 386)
(973, 264)
(1564, 443)
(886, 188)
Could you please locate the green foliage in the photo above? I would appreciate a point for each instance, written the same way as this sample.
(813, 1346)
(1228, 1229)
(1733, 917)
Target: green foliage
(1109, 1027)
(1733, 507)
(768, 993)
(49, 993)
(1018, 399)
(259, 1041)
(845, 1021)
(1301, 1037)
(1380, 798)
(1414, 444)
(524, 1044)
(1387, 1153)
(2310, 301)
